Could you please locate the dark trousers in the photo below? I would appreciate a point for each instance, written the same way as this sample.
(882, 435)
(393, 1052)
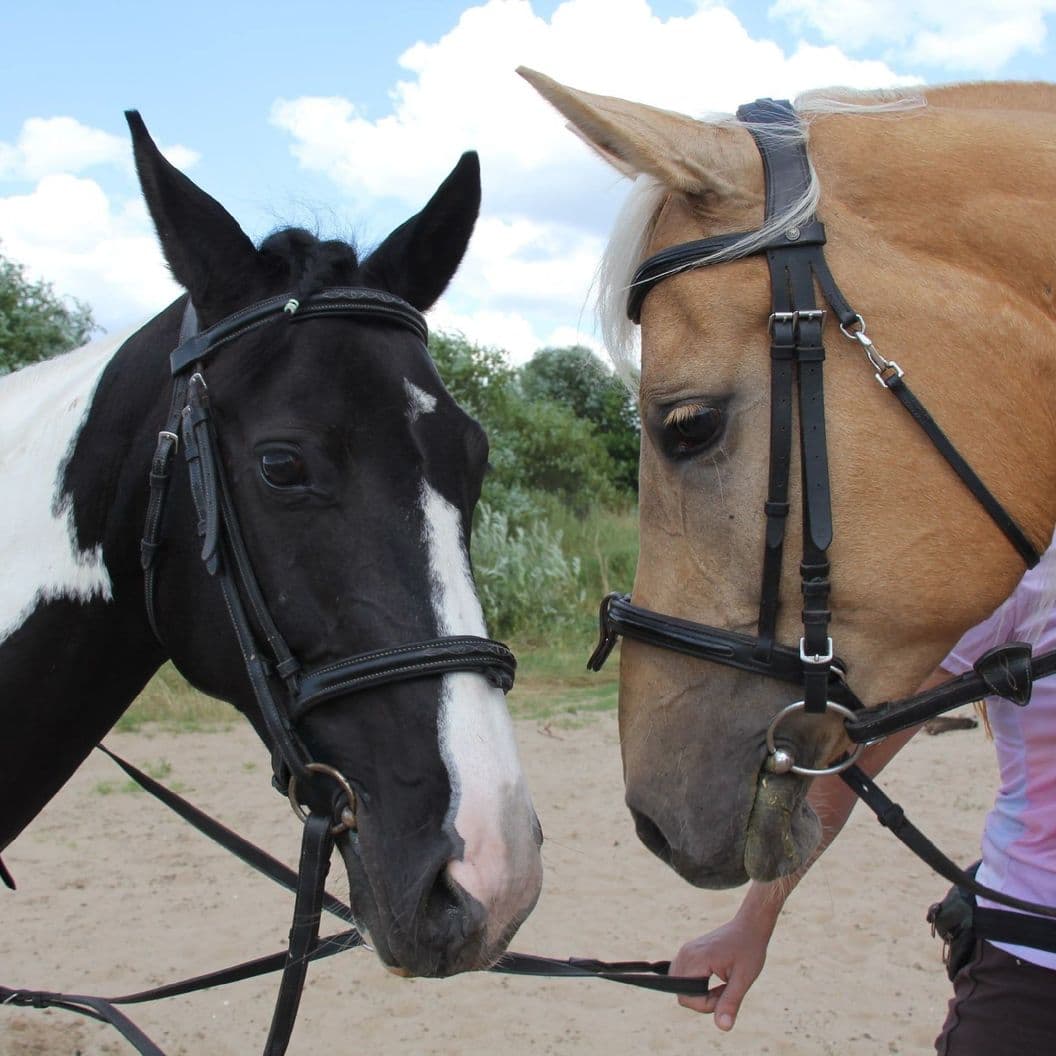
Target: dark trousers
(1001, 1006)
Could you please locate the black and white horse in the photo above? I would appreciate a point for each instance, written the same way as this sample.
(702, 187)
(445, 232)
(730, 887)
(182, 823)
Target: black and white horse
(354, 475)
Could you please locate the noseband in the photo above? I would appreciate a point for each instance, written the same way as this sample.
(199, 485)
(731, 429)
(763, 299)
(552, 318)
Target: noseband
(796, 259)
(285, 691)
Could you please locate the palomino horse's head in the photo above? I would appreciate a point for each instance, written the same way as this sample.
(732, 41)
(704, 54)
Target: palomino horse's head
(940, 221)
(354, 476)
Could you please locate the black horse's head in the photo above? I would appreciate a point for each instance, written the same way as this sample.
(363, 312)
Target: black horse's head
(353, 475)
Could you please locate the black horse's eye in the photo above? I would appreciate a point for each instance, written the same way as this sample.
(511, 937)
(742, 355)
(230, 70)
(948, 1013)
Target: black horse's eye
(283, 468)
(691, 429)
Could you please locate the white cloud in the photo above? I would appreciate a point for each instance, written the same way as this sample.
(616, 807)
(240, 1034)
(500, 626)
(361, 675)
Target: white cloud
(462, 92)
(970, 36)
(67, 231)
(49, 145)
(548, 201)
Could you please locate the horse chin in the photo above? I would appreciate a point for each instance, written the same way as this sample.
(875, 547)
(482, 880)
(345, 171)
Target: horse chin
(783, 829)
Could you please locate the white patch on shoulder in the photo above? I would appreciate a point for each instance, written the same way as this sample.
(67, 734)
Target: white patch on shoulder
(421, 401)
(43, 408)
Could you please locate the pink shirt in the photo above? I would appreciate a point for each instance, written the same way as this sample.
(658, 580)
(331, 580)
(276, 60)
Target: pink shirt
(1019, 838)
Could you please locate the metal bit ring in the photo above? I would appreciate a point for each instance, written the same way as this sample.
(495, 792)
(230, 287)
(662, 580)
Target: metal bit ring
(348, 813)
(781, 761)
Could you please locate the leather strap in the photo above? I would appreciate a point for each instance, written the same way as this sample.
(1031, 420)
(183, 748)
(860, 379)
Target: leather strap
(437, 656)
(999, 925)
(618, 616)
(342, 300)
(998, 514)
(1007, 671)
(893, 818)
(316, 848)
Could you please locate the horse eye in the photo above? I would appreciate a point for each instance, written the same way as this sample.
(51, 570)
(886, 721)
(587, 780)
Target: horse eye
(691, 429)
(283, 468)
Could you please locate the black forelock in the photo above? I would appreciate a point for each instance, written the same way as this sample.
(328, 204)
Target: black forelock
(308, 264)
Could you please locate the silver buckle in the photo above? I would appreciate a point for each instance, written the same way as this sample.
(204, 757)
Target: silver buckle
(816, 658)
(812, 314)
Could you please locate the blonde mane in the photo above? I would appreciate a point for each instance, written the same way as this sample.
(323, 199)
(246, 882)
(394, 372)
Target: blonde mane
(635, 223)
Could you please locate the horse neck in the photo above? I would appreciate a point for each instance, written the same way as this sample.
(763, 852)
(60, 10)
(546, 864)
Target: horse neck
(75, 646)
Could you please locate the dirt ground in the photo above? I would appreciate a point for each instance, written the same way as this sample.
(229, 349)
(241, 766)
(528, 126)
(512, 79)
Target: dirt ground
(116, 894)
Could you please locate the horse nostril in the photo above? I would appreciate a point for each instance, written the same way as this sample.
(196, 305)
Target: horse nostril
(650, 834)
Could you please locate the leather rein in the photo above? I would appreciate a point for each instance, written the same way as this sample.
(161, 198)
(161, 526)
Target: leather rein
(796, 260)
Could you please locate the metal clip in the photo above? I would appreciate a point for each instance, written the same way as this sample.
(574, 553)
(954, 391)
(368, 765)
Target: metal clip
(887, 370)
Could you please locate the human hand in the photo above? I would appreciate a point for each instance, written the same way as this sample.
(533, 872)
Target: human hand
(735, 953)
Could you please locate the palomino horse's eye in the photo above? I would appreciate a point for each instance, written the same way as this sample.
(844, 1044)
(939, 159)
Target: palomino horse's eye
(691, 429)
(283, 467)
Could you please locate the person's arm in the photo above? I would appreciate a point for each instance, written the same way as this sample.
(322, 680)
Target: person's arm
(736, 951)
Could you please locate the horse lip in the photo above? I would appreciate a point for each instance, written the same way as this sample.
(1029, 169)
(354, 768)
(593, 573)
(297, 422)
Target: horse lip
(362, 901)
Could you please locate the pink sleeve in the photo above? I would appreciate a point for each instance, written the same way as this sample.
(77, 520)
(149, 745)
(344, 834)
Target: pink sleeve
(974, 642)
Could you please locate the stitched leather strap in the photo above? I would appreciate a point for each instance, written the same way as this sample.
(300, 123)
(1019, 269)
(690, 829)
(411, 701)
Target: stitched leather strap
(344, 300)
(1006, 671)
(618, 616)
(437, 656)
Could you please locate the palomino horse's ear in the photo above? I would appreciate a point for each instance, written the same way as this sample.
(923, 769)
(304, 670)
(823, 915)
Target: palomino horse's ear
(418, 259)
(684, 154)
(204, 246)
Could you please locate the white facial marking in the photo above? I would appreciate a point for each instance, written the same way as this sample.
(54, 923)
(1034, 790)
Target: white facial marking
(42, 411)
(422, 402)
(490, 807)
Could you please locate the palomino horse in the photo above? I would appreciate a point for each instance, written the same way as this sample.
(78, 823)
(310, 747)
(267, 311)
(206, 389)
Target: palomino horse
(941, 232)
(330, 482)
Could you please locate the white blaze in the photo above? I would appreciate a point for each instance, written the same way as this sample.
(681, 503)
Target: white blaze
(490, 807)
(42, 411)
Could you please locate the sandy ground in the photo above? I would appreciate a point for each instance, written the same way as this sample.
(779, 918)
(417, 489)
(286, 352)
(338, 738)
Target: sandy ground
(116, 894)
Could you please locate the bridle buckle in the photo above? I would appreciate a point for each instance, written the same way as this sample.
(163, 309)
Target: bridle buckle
(816, 658)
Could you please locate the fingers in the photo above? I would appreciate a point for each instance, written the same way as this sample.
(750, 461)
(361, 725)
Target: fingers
(703, 1003)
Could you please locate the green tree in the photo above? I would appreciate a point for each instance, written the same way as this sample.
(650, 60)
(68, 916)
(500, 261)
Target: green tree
(35, 323)
(576, 378)
(538, 445)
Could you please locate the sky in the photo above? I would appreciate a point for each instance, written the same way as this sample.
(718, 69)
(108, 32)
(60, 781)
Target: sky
(345, 116)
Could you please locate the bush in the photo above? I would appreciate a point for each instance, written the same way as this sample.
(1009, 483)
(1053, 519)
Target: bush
(527, 584)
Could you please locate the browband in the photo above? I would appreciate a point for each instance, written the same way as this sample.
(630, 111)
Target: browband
(339, 300)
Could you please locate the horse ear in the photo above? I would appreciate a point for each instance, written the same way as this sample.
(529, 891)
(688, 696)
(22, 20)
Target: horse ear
(684, 154)
(419, 258)
(203, 245)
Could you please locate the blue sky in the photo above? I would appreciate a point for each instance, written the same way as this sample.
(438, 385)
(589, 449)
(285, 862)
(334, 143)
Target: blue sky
(345, 116)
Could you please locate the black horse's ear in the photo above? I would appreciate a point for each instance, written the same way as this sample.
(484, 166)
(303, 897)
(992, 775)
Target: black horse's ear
(208, 252)
(418, 259)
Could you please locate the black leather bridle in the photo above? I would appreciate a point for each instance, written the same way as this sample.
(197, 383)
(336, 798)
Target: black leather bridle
(267, 657)
(796, 260)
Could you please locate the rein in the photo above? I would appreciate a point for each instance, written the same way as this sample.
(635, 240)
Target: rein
(796, 261)
(305, 944)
